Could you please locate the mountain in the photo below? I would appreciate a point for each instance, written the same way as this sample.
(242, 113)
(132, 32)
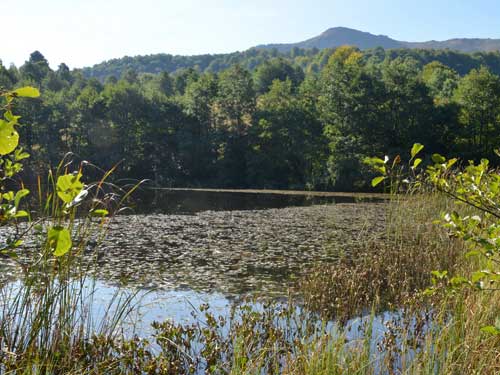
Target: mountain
(456, 53)
(467, 45)
(339, 36)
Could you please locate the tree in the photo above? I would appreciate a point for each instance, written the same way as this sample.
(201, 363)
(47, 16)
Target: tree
(441, 80)
(36, 68)
(277, 69)
(349, 105)
(286, 141)
(235, 107)
(478, 94)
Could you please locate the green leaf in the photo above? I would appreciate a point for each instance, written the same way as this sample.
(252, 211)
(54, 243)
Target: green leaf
(9, 137)
(417, 147)
(27, 92)
(438, 159)
(20, 195)
(99, 212)
(19, 154)
(439, 274)
(21, 213)
(59, 240)
(11, 118)
(458, 280)
(69, 186)
(478, 275)
(491, 330)
(417, 162)
(9, 253)
(429, 292)
(451, 162)
(472, 253)
(9, 196)
(373, 161)
(377, 180)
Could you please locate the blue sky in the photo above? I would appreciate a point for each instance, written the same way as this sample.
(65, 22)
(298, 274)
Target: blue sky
(84, 32)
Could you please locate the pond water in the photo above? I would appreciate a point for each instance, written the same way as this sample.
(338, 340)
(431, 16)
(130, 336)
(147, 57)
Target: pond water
(185, 201)
(216, 247)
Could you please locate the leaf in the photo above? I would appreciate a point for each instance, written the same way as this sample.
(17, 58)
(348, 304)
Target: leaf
(373, 161)
(27, 92)
(9, 253)
(476, 276)
(458, 280)
(11, 118)
(451, 162)
(472, 253)
(21, 213)
(438, 159)
(9, 196)
(79, 198)
(377, 180)
(439, 274)
(19, 154)
(99, 212)
(491, 330)
(20, 195)
(417, 147)
(429, 292)
(9, 137)
(59, 240)
(416, 163)
(69, 186)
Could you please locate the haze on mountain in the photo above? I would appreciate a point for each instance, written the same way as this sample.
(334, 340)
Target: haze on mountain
(339, 36)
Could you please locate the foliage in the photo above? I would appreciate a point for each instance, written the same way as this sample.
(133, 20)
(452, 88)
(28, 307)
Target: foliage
(475, 186)
(216, 123)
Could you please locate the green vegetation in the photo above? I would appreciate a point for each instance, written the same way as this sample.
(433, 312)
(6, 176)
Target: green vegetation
(303, 120)
(438, 283)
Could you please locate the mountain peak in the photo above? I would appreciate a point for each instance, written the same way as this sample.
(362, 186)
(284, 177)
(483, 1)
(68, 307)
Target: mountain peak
(340, 35)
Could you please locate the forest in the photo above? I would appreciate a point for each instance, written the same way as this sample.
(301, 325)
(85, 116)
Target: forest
(260, 119)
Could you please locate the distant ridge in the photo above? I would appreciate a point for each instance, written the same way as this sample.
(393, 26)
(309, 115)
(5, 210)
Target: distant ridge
(331, 38)
(338, 36)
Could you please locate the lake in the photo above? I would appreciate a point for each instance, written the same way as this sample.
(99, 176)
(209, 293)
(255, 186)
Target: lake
(216, 247)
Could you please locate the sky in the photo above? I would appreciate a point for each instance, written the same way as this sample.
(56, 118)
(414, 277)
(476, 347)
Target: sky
(86, 32)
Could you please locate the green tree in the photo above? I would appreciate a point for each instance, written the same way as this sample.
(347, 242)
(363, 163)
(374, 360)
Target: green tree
(277, 69)
(35, 69)
(478, 94)
(286, 141)
(235, 107)
(441, 80)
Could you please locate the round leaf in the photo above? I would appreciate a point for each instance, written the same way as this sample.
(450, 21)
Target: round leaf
(9, 138)
(69, 186)
(59, 240)
(27, 92)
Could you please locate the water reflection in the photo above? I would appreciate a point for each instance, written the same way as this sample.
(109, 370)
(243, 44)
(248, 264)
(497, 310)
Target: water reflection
(188, 201)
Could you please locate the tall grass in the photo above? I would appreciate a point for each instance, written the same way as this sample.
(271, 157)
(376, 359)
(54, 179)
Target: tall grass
(49, 315)
(430, 335)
